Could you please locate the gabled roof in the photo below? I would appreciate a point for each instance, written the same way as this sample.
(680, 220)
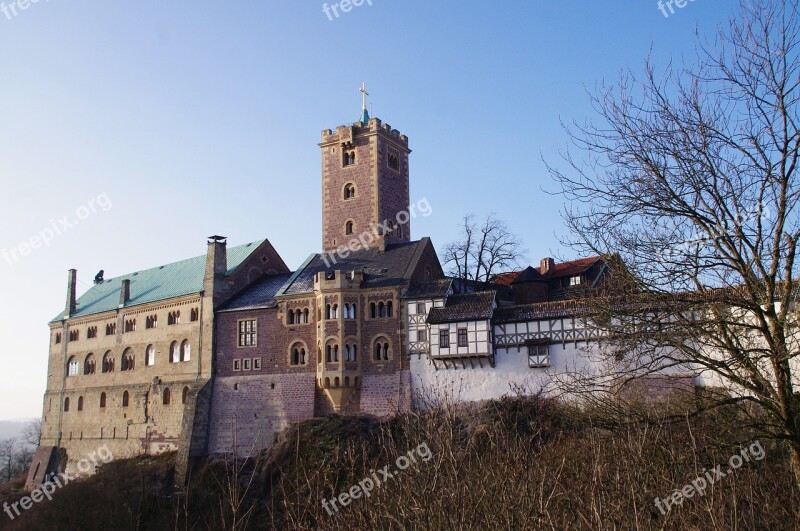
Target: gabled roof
(392, 267)
(155, 284)
(518, 313)
(258, 295)
(571, 268)
(532, 274)
(464, 307)
(529, 274)
(435, 289)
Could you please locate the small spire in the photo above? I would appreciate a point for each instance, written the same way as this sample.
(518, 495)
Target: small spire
(364, 113)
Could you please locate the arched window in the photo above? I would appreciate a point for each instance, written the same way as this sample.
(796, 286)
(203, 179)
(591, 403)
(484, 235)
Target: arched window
(127, 360)
(66, 404)
(327, 311)
(108, 362)
(290, 317)
(295, 356)
(184, 395)
(329, 354)
(80, 403)
(89, 365)
(336, 353)
(335, 311)
(381, 349)
(150, 356)
(186, 350)
(381, 309)
(389, 309)
(355, 353)
(126, 397)
(353, 311)
(167, 398)
(73, 366)
(305, 316)
(348, 227)
(174, 354)
(347, 353)
(349, 191)
(372, 312)
(102, 399)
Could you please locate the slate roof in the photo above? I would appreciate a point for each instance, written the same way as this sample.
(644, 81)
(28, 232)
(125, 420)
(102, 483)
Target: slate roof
(258, 295)
(155, 284)
(464, 307)
(529, 275)
(391, 267)
(435, 289)
(539, 310)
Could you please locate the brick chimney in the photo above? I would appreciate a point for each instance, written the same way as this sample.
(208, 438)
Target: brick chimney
(72, 282)
(124, 292)
(547, 266)
(216, 264)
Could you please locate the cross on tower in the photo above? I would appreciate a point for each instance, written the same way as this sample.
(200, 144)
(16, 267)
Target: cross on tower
(364, 94)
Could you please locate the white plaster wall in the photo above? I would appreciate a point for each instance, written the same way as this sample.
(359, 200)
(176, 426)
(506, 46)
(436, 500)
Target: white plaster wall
(511, 371)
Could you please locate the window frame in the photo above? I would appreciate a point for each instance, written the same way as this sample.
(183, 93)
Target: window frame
(245, 336)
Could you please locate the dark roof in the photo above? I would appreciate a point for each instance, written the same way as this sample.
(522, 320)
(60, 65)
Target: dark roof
(464, 307)
(156, 284)
(529, 274)
(259, 294)
(391, 267)
(434, 289)
(539, 310)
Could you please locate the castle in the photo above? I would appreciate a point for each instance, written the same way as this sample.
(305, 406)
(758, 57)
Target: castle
(219, 353)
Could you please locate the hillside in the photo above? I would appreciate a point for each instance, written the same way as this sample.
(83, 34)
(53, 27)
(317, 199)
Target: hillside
(524, 463)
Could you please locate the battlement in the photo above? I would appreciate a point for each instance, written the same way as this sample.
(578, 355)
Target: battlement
(345, 134)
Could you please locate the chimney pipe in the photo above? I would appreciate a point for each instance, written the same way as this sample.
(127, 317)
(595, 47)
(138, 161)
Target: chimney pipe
(547, 266)
(72, 281)
(124, 292)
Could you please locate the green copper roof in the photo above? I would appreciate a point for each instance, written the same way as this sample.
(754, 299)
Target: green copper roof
(156, 284)
(364, 116)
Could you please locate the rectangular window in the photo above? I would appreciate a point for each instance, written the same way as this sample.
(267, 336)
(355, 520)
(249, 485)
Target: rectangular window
(422, 336)
(462, 337)
(247, 333)
(575, 281)
(237, 365)
(444, 338)
(421, 307)
(538, 355)
(256, 364)
(246, 366)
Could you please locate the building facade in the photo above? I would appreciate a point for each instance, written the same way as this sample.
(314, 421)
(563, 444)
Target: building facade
(219, 353)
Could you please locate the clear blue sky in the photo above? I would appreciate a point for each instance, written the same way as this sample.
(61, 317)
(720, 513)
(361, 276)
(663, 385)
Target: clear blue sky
(202, 118)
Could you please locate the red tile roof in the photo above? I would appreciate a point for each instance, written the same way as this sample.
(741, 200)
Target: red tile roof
(563, 269)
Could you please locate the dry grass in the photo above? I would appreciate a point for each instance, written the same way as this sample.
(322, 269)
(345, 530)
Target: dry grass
(524, 463)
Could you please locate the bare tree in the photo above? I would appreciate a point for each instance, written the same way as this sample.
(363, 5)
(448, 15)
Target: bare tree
(8, 455)
(691, 175)
(32, 432)
(482, 250)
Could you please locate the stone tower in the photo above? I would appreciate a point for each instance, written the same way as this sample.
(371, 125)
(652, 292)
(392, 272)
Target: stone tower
(364, 185)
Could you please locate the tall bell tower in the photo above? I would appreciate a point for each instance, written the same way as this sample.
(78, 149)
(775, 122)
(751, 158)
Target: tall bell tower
(364, 184)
